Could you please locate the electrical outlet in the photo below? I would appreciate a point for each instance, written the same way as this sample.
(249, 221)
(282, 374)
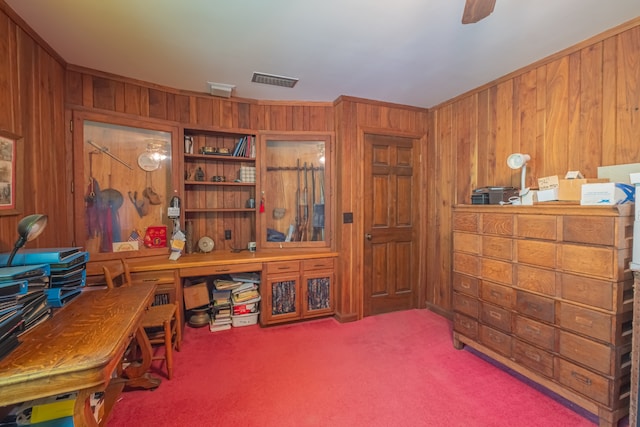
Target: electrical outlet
(227, 234)
(347, 217)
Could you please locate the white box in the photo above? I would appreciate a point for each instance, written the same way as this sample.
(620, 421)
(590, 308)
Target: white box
(549, 195)
(605, 193)
(244, 320)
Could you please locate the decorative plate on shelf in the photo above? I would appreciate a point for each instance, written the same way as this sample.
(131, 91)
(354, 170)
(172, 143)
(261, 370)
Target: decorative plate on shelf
(205, 244)
(148, 161)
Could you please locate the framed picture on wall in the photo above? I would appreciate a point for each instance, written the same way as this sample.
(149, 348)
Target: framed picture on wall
(11, 173)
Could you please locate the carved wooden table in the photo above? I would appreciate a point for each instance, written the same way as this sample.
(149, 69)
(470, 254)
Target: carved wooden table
(79, 349)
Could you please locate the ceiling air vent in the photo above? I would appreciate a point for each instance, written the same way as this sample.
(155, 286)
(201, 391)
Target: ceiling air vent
(273, 80)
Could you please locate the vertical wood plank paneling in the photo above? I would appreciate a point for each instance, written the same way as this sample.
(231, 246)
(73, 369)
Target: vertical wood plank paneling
(183, 109)
(504, 135)
(465, 151)
(557, 126)
(203, 114)
(573, 112)
(73, 88)
(157, 102)
(132, 101)
(244, 115)
(7, 74)
(226, 114)
(588, 153)
(628, 111)
(481, 177)
(539, 149)
(526, 119)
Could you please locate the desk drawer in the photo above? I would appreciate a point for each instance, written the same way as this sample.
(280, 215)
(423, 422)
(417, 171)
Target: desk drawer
(282, 267)
(497, 317)
(533, 358)
(317, 264)
(535, 332)
(212, 270)
(583, 381)
(535, 306)
(157, 277)
(497, 294)
(495, 340)
(466, 305)
(465, 325)
(465, 284)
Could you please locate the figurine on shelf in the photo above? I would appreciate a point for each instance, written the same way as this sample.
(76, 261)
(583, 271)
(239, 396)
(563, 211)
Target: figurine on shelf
(199, 174)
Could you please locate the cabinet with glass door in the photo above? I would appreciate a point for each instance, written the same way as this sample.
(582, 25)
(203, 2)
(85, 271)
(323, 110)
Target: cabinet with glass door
(296, 190)
(124, 181)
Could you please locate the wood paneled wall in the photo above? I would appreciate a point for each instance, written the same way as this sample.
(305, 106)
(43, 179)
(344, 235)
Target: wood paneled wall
(32, 106)
(354, 117)
(576, 110)
(94, 90)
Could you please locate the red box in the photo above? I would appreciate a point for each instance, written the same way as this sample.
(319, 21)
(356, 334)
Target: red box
(156, 237)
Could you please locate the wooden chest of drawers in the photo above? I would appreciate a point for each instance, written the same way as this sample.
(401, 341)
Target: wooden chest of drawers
(547, 291)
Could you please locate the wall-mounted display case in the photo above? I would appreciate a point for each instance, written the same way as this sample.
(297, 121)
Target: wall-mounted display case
(295, 200)
(123, 183)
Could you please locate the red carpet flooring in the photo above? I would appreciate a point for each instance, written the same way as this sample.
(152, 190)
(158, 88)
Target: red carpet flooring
(397, 369)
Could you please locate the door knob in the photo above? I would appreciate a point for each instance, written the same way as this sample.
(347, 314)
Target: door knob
(368, 236)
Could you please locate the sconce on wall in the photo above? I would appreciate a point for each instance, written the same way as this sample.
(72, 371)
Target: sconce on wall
(517, 161)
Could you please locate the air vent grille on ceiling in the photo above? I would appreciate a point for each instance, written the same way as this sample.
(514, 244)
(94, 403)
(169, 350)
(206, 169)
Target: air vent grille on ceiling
(274, 80)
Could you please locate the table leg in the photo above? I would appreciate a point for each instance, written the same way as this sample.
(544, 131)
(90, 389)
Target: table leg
(136, 374)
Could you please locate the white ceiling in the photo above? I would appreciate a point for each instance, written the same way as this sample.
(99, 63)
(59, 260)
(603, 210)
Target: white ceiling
(413, 52)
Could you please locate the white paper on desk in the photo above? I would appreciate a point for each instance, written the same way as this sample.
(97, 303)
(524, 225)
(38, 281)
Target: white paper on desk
(174, 255)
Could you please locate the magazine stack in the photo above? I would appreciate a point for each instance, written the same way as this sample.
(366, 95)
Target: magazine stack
(245, 299)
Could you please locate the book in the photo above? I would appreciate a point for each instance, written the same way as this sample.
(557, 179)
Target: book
(244, 287)
(13, 288)
(40, 255)
(24, 272)
(223, 284)
(246, 277)
(246, 296)
(213, 327)
(79, 258)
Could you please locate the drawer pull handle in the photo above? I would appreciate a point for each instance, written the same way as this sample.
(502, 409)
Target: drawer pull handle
(533, 306)
(318, 265)
(496, 294)
(532, 356)
(284, 268)
(465, 285)
(495, 315)
(581, 378)
(584, 321)
(222, 270)
(150, 280)
(532, 330)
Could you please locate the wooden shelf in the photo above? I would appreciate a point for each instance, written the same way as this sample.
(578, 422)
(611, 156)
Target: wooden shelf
(204, 210)
(225, 183)
(218, 157)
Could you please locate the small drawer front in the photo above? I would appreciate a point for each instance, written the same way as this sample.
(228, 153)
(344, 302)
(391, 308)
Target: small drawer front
(497, 294)
(157, 277)
(466, 242)
(535, 332)
(585, 290)
(282, 267)
(497, 271)
(532, 252)
(465, 221)
(220, 269)
(465, 284)
(466, 263)
(587, 322)
(537, 226)
(535, 306)
(589, 229)
(591, 261)
(465, 304)
(536, 279)
(465, 325)
(501, 224)
(585, 382)
(533, 358)
(497, 247)
(495, 316)
(495, 340)
(589, 353)
(318, 264)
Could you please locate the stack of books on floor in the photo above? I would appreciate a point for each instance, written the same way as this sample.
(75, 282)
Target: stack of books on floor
(220, 310)
(245, 300)
(21, 302)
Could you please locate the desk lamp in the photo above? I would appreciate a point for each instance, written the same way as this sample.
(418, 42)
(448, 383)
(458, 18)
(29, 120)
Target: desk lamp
(517, 161)
(29, 228)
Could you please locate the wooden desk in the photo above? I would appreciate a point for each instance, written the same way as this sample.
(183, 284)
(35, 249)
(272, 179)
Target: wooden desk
(78, 349)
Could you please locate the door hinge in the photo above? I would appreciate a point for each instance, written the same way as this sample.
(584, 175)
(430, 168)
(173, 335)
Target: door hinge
(72, 187)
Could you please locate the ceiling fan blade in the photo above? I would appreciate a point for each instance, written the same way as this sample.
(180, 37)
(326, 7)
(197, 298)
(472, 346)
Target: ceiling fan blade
(475, 10)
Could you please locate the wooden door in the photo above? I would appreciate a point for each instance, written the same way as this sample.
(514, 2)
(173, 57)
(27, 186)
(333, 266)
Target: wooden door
(390, 224)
